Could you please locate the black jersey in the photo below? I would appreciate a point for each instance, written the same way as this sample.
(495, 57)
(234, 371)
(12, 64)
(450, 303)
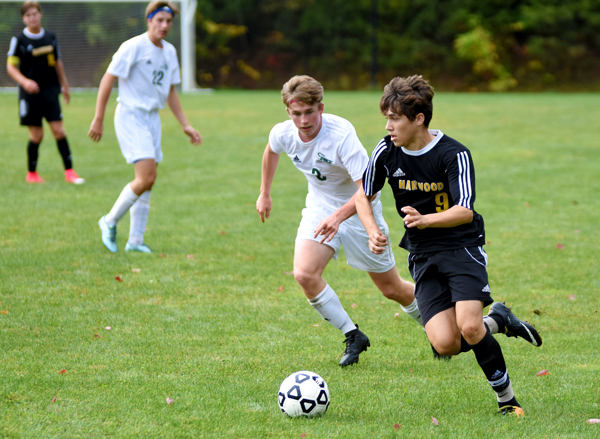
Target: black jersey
(37, 54)
(431, 180)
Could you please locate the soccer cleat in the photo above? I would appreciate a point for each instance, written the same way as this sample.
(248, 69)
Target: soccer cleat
(142, 248)
(72, 177)
(356, 342)
(33, 177)
(513, 326)
(109, 235)
(511, 410)
(437, 355)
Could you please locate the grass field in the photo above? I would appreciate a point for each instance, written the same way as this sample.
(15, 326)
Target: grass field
(204, 322)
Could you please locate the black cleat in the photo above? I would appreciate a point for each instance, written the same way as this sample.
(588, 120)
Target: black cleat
(356, 342)
(437, 355)
(513, 326)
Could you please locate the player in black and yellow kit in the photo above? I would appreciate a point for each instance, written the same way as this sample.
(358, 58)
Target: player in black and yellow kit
(34, 62)
(433, 181)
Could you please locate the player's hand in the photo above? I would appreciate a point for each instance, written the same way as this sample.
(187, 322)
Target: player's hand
(96, 130)
(263, 206)
(328, 228)
(413, 218)
(66, 94)
(31, 87)
(195, 138)
(377, 242)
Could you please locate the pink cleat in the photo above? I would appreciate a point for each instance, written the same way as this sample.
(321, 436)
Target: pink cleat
(33, 177)
(72, 177)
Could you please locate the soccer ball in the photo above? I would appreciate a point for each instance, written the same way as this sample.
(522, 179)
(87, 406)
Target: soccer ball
(304, 393)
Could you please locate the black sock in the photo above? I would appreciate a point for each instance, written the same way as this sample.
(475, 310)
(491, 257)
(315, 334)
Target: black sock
(65, 152)
(500, 321)
(32, 155)
(489, 356)
(464, 346)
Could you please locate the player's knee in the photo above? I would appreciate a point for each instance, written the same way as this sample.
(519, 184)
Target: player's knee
(304, 278)
(472, 332)
(447, 347)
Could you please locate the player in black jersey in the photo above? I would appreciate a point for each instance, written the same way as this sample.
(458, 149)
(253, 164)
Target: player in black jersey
(34, 63)
(433, 182)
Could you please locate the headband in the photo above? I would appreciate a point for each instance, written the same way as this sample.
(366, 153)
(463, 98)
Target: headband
(160, 9)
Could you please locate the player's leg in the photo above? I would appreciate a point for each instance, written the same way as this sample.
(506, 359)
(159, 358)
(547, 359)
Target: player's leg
(487, 352)
(141, 208)
(36, 134)
(53, 114)
(58, 131)
(393, 287)
(310, 259)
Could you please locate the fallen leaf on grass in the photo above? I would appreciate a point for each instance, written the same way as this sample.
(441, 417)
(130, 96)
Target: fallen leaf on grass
(542, 373)
(397, 314)
(572, 297)
(289, 273)
(169, 400)
(519, 412)
(96, 336)
(434, 421)
(62, 371)
(354, 305)
(118, 278)
(280, 289)
(190, 256)
(53, 399)
(136, 270)
(560, 246)
(303, 435)
(223, 232)
(527, 204)
(108, 328)
(593, 421)
(4, 312)
(162, 255)
(397, 426)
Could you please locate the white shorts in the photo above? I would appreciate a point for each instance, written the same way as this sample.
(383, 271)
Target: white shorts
(138, 132)
(353, 236)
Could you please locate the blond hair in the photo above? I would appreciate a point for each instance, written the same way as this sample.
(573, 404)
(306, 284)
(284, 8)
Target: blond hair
(28, 5)
(154, 5)
(302, 88)
(408, 96)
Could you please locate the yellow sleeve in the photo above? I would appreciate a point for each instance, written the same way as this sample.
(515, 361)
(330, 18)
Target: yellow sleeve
(13, 60)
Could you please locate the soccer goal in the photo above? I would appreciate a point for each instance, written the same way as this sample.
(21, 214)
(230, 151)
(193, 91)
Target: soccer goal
(90, 31)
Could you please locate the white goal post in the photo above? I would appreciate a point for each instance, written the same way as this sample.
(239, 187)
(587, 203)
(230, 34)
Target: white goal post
(183, 36)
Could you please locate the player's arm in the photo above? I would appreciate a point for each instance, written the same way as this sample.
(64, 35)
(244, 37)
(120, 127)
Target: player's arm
(62, 78)
(264, 203)
(455, 216)
(104, 90)
(377, 239)
(329, 227)
(12, 68)
(175, 106)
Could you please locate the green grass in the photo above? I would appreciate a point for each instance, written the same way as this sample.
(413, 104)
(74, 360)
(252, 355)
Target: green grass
(213, 332)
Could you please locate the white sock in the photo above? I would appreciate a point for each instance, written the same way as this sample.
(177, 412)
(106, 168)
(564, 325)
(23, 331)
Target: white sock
(506, 395)
(123, 204)
(328, 304)
(139, 216)
(413, 311)
(492, 324)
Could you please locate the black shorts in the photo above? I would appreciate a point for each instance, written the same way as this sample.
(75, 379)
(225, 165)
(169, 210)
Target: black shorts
(446, 277)
(45, 104)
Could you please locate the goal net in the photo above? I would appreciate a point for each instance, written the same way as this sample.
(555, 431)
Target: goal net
(90, 32)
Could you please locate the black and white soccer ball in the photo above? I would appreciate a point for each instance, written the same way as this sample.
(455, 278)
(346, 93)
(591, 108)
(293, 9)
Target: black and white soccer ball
(304, 393)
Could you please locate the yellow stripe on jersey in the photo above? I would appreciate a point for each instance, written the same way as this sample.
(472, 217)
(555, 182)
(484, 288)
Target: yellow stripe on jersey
(51, 60)
(13, 61)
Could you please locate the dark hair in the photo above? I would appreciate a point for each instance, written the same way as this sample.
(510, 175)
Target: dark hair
(408, 96)
(28, 5)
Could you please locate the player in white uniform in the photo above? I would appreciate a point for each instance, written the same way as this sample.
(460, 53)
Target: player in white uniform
(147, 69)
(326, 149)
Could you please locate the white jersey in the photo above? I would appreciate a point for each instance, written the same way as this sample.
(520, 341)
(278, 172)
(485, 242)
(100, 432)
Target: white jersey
(331, 162)
(145, 72)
